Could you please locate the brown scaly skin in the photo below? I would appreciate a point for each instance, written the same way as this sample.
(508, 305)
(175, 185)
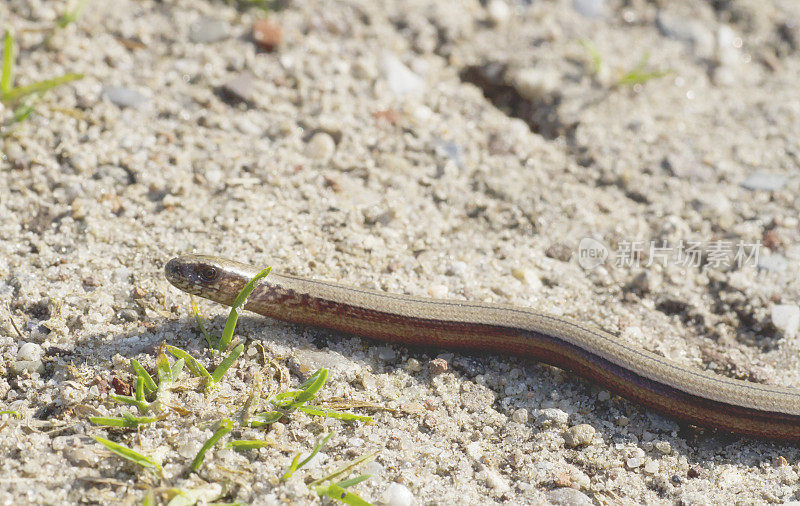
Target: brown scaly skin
(685, 394)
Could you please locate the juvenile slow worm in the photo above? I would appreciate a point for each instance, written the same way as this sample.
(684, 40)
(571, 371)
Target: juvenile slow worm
(682, 393)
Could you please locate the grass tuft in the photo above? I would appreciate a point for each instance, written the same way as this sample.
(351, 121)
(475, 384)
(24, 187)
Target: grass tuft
(225, 426)
(131, 455)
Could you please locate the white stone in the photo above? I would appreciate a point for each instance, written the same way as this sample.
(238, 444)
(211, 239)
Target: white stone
(30, 352)
(438, 291)
(401, 79)
(498, 11)
(321, 146)
(785, 317)
(397, 495)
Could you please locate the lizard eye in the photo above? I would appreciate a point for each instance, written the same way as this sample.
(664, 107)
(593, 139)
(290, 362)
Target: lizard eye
(207, 273)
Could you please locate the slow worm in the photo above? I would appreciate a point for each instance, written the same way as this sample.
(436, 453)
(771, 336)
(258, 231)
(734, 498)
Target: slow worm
(679, 392)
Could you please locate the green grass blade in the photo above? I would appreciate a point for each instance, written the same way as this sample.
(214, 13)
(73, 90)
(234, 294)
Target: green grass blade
(194, 366)
(330, 413)
(226, 363)
(177, 368)
(594, 55)
(139, 390)
(131, 401)
(149, 384)
(198, 318)
(285, 399)
(233, 317)
(149, 498)
(131, 455)
(22, 112)
(183, 498)
(308, 390)
(340, 494)
(353, 481)
(344, 469)
(126, 420)
(71, 15)
(40, 87)
(8, 65)
(164, 369)
(295, 465)
(11, 412)
(241, 445)
(225, 426)
(265, 418)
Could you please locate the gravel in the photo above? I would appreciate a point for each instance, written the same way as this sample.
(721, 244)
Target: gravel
(467, 150)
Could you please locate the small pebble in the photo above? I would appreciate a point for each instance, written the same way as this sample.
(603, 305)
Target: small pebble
(651, 467)
(240, 89)
(474, 450)
(520, 415)
(663, 447)
(123, 97)
(413, 365)
(634, 462)
(385, 353)
(437, 366)
(498, 11)
(528, 277)
(764, 181)
(207, 30)
(397, 495)
(496, 482)
(267, 34)
(773, 263)
(562, 479)
(438, 291)
(568, 497)
(579, 435)
(457, 269)
(589, 8)
(552, 416)
(559, 251)
(129, 315)
(692, 31)
(603, 396)
(536, 83)
(401, 80)
(786, 318)
(321, 146)
(21, 366)
(30, 352)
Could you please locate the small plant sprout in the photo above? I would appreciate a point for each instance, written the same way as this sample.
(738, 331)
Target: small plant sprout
(594, 56)
(638, 74)
(192, 364)
(72, 15)
(633, 77)
(326, 485)
(296, 399)
(131, 455)
(150, 387)
(225, 426)
(238, 303)
(297, 464)
(23, 98)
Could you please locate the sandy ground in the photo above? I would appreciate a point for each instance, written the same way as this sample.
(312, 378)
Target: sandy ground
(452, 149)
